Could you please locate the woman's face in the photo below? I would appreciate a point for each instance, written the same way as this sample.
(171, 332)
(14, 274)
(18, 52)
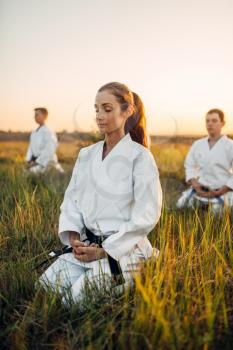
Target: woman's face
(109, 116)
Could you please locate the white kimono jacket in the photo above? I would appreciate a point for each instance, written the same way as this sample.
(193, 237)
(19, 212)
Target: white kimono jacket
(43, 145)
(213, 167)
(119, 196)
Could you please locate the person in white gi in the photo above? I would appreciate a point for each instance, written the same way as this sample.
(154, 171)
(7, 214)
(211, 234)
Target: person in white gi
(41, 153)
(114, 191)
(209, 168)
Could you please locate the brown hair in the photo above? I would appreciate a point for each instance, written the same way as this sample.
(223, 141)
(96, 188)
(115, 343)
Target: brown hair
(219, 112)
(42, 110)
(136, 123)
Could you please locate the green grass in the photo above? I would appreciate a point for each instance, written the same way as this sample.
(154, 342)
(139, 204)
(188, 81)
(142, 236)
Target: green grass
(183, 300)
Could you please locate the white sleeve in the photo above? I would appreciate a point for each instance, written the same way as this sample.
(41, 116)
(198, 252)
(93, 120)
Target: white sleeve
(29, 153)
(191, 165)
(49, 149)
(230, 181)
(146, 208)
(71, 218)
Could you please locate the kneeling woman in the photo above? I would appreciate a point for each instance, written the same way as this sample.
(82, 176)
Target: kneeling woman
(113, 200)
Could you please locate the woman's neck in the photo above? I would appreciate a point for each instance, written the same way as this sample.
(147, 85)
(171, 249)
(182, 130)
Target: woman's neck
(113, 138)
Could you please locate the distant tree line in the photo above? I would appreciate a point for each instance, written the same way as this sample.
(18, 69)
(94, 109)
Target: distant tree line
(65, 136)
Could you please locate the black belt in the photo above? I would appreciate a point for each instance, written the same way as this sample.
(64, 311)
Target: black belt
(33, 158)
(114, 265)
(92, 238)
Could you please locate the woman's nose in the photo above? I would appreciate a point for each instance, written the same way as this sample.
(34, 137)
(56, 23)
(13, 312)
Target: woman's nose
(99, 116)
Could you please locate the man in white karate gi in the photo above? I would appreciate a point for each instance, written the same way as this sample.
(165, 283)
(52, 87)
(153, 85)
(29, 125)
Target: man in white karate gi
(41, 153)
(209, 168)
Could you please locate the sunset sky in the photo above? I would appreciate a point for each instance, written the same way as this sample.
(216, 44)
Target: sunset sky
(176, 54)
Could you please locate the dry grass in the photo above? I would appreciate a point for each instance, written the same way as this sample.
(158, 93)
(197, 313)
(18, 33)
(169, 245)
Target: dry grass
(183, 300)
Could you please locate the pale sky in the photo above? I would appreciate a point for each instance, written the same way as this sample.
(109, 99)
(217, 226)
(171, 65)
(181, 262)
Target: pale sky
(177, 55)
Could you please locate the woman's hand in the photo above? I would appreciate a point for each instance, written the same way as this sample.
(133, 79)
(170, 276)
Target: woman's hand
(75, 241)
(84, 252)
(91, 253)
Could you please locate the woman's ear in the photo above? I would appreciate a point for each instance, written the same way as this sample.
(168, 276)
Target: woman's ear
(130, 110)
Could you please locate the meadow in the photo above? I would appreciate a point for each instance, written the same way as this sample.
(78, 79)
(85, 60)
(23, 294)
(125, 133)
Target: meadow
(182, 300)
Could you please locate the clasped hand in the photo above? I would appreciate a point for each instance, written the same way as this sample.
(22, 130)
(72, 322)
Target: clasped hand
(211, 193)
(86, 253)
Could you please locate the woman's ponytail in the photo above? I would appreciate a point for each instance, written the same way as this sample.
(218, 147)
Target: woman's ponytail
(136, 123)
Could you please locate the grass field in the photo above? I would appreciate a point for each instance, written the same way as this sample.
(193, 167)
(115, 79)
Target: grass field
(183, 300)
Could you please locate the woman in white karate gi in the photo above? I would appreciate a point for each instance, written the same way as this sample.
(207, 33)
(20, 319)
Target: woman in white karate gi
(209, 168)
(115, 193)
(41, 153)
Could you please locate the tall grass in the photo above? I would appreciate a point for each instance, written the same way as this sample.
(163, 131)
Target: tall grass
(182, 300)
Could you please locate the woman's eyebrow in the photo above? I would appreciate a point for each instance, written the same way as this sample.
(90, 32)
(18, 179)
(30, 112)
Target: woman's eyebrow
(105, 104)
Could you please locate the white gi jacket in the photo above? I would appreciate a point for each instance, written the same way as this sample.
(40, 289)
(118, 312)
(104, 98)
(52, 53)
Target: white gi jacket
(43, 145)
(212, 167)
(119, 196)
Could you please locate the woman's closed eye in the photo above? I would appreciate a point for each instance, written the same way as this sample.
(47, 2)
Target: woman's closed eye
(106, 110)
